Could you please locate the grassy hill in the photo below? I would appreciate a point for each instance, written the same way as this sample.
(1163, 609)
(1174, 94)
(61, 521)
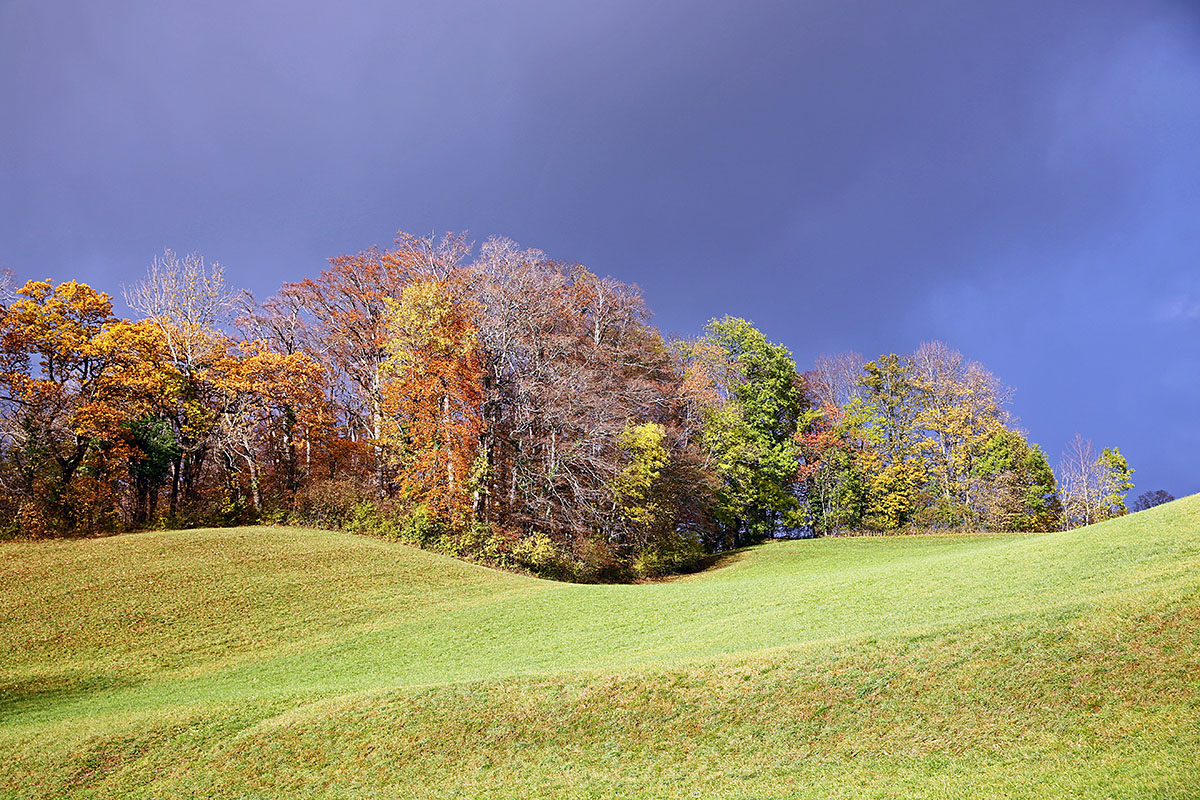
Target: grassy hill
(262, 662)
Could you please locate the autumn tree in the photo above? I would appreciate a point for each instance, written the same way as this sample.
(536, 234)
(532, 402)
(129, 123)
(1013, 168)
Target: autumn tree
(268, 399)
(921, 440)
(145, 382)
(349, 307)
(830, 470)
(432, 397)
(634, 487)
(348, 303)
(960, 405)
(830, 475)
(645, 511)
(187, 299)
(313, 434)
(62, 427)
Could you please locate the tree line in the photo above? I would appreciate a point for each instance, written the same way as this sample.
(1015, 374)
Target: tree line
(499, 405)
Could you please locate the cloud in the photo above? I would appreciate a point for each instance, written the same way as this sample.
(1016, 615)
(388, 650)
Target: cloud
(1180, 309)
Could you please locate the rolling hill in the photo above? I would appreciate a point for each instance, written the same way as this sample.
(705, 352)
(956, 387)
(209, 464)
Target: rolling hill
(276, 662)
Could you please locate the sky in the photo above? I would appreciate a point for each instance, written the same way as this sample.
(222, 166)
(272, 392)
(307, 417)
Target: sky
(1019, 179)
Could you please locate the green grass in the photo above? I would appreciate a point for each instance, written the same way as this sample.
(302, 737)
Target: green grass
(268, 662)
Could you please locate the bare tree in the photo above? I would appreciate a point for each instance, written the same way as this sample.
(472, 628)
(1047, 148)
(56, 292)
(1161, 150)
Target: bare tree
(187, 299)
(1082, 483)
(1148, 500)
(8, 287)
(835, 380)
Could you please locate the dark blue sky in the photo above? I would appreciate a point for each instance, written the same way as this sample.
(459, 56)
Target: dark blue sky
(1020, 179)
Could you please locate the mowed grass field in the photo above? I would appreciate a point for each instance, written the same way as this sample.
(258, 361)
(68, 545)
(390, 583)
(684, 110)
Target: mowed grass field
(274, 662)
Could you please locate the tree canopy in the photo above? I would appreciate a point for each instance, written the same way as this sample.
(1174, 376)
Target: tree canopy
(500, 405)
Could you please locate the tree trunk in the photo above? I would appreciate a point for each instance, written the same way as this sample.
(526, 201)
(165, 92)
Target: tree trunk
(176, 469)
(254, 497)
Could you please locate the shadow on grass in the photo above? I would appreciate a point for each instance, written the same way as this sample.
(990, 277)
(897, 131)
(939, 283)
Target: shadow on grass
(713, 562)
(24, 697)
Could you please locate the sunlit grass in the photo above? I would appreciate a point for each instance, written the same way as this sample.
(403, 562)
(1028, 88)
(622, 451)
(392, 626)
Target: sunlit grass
(263, 662)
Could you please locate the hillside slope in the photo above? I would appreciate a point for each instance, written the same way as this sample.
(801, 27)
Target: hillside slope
(263, 662)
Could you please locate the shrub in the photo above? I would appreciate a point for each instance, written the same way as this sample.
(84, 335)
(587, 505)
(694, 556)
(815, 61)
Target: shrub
(31, 521)
(679, 553)
(538, 554)
(233, 513)
(328, 503)
(411, 524)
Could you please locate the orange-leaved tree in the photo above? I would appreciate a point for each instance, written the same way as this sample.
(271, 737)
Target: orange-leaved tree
(433, 397)
(61, 422)
(274, 405)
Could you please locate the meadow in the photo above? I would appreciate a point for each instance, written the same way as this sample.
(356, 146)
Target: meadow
(282, 662)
